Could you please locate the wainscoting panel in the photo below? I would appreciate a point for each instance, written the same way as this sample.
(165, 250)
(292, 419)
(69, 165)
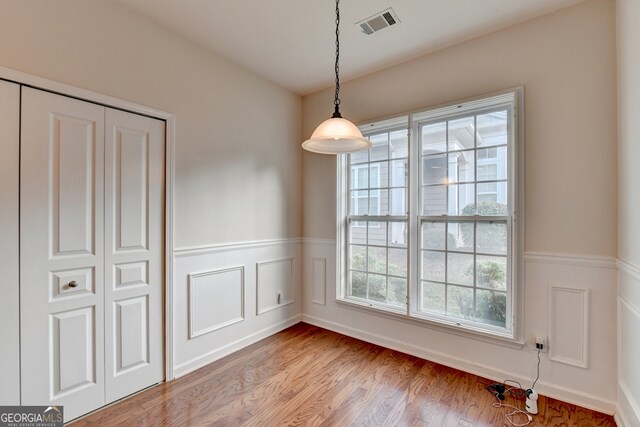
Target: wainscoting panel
(594, 278)
(216, 291)
(274, 284)
(319, 272)
(628, 344)
(568, 325)
(216, 300)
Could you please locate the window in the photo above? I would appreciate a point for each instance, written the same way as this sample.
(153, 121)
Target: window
(428, 217)
(377, 247)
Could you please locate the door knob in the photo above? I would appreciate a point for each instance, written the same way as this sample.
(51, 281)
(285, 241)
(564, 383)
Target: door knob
(72, 284)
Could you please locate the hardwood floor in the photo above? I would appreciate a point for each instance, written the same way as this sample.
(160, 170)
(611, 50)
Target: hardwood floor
(308, 376)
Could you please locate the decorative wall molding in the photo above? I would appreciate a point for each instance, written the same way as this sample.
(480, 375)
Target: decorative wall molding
(268, 285)
(319, 284)
(222, 320)
(628, 410)
(237, 312)
(629, 268)
(568, 321)
(571, 259)
(224, 247)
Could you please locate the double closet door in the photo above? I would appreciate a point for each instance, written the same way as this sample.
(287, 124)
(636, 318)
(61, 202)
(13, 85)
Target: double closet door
(91, 252)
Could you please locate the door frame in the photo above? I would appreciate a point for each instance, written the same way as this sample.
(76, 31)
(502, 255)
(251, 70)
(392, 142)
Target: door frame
(35, 82)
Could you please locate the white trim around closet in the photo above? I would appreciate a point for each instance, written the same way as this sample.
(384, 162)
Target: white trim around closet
(170, 119)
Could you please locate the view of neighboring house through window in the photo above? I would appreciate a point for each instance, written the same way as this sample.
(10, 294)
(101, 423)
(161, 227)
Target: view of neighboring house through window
(378, 231)
(429, 227)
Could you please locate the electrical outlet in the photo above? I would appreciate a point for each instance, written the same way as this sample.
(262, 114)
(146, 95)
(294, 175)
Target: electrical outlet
(540, 343)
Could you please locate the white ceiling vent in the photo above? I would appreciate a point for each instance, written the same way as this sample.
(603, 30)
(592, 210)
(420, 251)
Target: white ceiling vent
(379, 21)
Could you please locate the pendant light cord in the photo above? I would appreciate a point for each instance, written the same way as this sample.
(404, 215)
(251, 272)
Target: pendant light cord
(336, 99)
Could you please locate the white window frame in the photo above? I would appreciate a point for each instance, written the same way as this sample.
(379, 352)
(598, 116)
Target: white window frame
(511, 336)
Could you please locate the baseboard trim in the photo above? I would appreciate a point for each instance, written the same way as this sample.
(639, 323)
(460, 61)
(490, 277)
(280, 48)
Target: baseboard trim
(219, 353)
(557, 392)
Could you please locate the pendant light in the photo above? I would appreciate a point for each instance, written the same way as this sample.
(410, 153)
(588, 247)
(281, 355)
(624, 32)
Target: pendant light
(336, 135)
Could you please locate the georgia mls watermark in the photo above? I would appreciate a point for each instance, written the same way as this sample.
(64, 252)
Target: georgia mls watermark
(31, 416)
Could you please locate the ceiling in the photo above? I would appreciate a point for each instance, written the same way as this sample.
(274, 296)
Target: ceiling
(291, 42)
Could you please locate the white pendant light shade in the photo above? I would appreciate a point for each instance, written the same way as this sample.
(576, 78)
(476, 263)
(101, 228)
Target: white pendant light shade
(336, 136)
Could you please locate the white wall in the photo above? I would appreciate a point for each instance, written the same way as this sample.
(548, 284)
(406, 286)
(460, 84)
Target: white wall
(238, 136)
(567, 63)
(237, 161)
(628, 16)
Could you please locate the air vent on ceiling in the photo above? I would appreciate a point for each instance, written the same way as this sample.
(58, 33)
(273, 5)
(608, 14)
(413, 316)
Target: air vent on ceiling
(379, 21)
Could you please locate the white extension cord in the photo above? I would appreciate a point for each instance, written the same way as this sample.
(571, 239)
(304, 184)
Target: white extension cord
(511, 415)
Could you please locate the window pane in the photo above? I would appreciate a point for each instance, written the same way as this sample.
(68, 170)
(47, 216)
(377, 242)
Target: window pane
(433, 297)
(461, 134)
(399, 173)
(397, 291)
(359, 202)
(460, 302)
(487, 172)
(492, 128)
(380, 147)
(399, 144)
(379, 203)
(492, 199)
(358, 257)
(359, 157)
(377, 260)
(358, 284)
(398, 262)
(377, 287)
(433, 235)
(461, 199)
(358, 232)
(434, 170)
(359, 177)
(434, 200)
(491, 308)
(434, 138)
(433, 266)
(377, 233)
(461, 236)
(378, 175)
(398, 234)
(460, 269)
(398, 201)
(462, 166)
(491, 237)
(491, 272)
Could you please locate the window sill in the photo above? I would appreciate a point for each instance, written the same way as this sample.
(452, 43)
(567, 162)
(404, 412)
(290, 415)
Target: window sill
(450, 328)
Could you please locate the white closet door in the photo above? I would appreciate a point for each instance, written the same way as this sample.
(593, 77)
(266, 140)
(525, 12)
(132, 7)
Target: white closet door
(61, 252)
(9, 326)
(134, 227)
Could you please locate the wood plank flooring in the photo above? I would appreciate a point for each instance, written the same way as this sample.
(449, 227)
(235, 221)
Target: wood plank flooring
(308, 376)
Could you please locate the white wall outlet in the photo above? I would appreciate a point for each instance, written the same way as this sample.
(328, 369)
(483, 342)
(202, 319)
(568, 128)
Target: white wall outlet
(541, 343)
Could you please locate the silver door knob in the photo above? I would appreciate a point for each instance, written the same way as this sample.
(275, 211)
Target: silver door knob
(72, 284)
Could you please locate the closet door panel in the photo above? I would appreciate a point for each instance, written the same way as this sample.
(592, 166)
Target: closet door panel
(9, 287)
(61, 252)
(134, 229)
